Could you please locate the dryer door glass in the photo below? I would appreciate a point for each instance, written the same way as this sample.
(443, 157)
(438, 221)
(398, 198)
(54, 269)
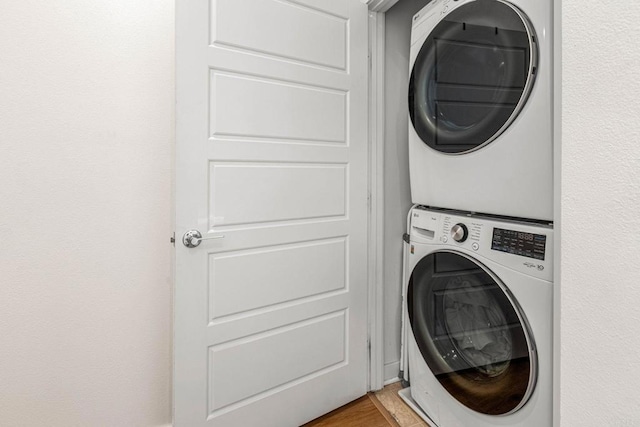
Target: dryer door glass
(471, 333)
(472, 76)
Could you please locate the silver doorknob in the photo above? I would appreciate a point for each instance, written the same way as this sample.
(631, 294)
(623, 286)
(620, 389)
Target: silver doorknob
(193, 238)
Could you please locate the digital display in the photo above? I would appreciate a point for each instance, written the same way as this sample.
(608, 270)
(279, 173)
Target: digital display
(518, 243)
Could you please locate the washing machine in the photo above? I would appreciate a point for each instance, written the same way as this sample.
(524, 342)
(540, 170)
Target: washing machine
(479, 310)
(480, 107)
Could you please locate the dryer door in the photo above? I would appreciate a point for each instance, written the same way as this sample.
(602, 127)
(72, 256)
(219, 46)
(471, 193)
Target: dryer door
(471, 333)
(472, 76)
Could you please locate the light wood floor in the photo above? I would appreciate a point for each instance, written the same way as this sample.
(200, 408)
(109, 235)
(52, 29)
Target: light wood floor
(401, 413)
(381, 409)
(364, 412)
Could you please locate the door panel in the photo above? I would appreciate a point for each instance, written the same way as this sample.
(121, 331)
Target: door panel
(271, 192)
(269, 25)
(314, 114)
(302, 270)
(233, 366)
(270, 319)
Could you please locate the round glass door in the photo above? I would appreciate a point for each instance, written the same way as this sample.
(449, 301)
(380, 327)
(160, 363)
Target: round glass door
(471, 334)
(472, 76)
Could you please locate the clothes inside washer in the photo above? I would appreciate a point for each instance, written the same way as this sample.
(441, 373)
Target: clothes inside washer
(478, 327)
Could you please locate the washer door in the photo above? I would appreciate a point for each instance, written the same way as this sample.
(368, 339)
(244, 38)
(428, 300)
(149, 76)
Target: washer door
(471, 333)
(472, 76)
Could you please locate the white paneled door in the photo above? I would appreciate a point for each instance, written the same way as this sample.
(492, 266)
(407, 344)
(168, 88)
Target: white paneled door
(271, 168)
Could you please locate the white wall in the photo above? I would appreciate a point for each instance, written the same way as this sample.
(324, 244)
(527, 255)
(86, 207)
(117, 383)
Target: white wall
(86, 129)
(396, 171)
(600, 351)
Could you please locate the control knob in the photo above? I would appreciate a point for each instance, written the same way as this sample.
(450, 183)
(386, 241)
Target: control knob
(459, 232)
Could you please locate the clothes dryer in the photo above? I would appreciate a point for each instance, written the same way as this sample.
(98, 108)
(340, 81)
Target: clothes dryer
(480, 107)
(479, 310)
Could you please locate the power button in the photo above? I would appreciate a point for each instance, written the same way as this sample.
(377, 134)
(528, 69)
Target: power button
(475, 246)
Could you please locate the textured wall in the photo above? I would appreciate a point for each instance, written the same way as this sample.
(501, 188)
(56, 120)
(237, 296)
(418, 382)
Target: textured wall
(600, 323)
(86, 124)
(397, 193)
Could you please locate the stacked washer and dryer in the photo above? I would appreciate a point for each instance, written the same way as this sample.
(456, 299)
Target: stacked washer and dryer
(478, 291)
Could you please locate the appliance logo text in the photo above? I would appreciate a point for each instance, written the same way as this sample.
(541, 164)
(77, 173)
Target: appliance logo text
(540, 267)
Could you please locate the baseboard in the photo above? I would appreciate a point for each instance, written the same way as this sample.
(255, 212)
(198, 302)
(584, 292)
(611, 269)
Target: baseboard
(392, 381)
(391, 372)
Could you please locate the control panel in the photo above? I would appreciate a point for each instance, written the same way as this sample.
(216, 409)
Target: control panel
(461, 230)
(519, 243)
(522, 246)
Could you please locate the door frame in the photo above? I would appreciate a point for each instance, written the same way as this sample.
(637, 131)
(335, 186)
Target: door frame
(376, 200)
(377, 10)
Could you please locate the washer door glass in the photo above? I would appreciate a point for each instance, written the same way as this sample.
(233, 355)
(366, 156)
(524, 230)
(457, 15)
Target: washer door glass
(470, 333)
(472, 76)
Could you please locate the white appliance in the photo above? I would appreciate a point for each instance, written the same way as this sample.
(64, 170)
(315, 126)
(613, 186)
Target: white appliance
(480, 107)
(478, 315)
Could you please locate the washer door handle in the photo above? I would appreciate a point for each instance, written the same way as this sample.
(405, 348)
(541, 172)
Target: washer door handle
(193, 238)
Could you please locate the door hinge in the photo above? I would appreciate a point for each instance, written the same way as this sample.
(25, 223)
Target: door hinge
(406, 238)
(173, 239)
(370, 60)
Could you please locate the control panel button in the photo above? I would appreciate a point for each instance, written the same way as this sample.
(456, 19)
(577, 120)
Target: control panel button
(475, 246)
(445, 239)
(459, 232)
